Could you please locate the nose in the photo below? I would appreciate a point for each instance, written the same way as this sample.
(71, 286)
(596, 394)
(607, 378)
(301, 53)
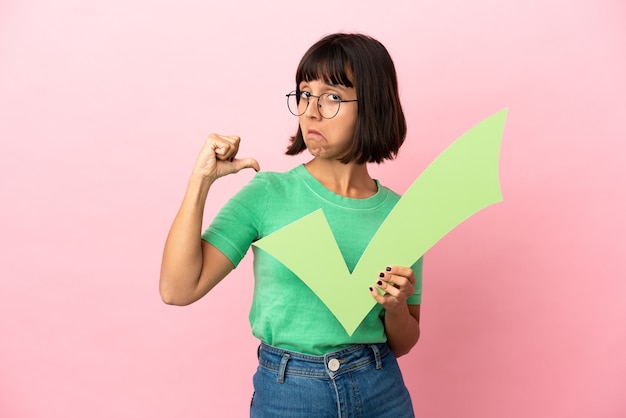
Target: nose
(312, 110)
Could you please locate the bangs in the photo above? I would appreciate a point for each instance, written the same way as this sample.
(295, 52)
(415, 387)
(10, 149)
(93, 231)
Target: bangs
(329, 63)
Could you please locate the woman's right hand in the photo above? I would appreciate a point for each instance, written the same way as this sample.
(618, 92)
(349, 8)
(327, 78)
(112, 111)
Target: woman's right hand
(218, 158)
(191, 267)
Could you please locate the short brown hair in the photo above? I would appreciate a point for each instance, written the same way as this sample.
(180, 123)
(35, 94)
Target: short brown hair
(381, 126)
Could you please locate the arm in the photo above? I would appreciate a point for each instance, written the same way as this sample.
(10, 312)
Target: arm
(191, 267)
(401, 320)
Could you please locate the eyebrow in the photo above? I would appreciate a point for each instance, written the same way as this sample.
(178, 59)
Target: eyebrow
(335, 86)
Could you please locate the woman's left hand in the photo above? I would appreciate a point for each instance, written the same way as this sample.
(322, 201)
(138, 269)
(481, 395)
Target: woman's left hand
(401, 320)
(398, 283)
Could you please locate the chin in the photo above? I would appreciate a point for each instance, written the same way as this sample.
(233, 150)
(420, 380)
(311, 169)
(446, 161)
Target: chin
(314, 152)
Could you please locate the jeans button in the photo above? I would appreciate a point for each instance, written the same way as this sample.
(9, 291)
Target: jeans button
(333, 365)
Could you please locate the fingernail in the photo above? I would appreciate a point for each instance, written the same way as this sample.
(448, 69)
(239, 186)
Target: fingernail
(379, 283)
(388, 268)
(381, 275)
(371, 289)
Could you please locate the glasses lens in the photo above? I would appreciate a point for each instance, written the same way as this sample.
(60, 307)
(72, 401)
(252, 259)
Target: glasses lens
(329, 105)
(296, 104)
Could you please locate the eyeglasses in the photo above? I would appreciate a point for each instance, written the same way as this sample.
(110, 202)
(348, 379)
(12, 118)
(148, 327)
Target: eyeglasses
(327, 104)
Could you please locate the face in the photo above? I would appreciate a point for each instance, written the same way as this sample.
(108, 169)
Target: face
(328, 138)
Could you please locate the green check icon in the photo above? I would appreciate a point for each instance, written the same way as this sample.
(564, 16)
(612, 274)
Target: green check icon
(460, 182)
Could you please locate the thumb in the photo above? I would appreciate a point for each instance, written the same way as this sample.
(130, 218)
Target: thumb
(242, 163)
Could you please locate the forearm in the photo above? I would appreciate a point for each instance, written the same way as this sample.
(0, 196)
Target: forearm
(182, 256)
(402, 329)
(190, 268)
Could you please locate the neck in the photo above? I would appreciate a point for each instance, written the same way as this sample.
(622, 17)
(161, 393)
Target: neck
(349, 180)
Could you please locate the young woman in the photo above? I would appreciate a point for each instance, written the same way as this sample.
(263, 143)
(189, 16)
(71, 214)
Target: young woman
(349, 114)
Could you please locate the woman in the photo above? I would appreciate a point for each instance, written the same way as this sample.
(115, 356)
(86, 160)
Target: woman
(349, 114)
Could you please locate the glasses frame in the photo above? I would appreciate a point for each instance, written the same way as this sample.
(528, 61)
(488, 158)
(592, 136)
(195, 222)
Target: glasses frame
(297, 93)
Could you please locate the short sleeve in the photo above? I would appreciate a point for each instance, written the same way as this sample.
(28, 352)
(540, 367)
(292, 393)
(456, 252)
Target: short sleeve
(236, 225)
(416, 297)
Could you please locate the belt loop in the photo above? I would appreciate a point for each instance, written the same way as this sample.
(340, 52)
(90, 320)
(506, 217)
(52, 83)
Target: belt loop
(379, 363)
(282, 367)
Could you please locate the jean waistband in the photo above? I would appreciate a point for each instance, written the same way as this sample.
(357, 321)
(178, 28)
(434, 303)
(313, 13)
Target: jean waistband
(331, 365)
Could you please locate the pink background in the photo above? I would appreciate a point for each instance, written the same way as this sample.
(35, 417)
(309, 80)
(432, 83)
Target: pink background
(104, 105)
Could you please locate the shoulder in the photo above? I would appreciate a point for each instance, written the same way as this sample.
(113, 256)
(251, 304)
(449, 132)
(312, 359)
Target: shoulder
(266, 186)
(275, 176)
(265, 178)
(390, 194)
(273, 180)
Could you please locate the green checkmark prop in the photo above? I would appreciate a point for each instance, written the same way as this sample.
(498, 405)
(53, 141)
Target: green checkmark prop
(460, 182)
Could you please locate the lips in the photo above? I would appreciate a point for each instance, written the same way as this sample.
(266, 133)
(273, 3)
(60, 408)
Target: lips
(313, 134)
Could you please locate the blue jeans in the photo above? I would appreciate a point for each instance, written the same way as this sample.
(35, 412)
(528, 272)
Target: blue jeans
(360, 381)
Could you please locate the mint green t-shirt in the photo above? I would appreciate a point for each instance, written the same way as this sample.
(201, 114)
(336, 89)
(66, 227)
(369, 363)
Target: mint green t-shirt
(285, 313)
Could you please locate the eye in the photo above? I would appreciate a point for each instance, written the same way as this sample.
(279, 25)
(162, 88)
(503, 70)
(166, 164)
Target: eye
(334, 97)
(305, 95)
